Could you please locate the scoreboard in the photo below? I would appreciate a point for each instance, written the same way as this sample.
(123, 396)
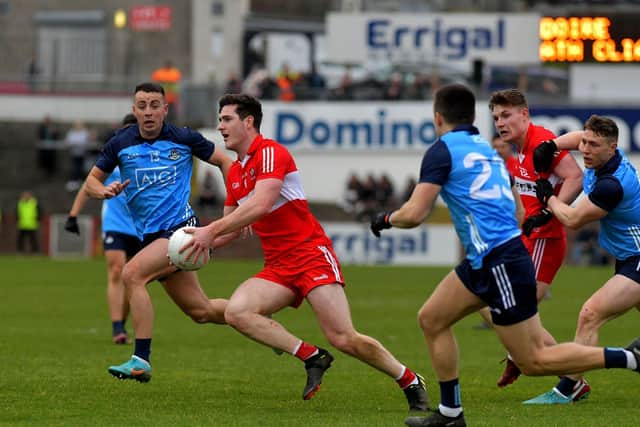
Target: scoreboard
(611, 38)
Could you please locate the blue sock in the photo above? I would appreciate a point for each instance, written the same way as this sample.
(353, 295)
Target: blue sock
(117, 327)
(450, 394)
(566, 385)
(143, 348)
(615, 358)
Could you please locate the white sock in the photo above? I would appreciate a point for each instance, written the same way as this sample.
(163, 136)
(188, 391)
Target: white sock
(631, 360)
(449, 412)
(404, 369)
(296, 348)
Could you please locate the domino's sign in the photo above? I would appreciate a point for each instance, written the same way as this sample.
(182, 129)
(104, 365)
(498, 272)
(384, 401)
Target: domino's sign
(430, 244)
(433, 38)
(356, 126)
(560, 120)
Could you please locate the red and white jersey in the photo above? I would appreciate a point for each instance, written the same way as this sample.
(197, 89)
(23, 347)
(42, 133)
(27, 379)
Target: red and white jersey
(525, 176)
(290, 223)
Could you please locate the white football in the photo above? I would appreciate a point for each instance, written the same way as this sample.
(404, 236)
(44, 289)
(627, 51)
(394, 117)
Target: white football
(177, 240)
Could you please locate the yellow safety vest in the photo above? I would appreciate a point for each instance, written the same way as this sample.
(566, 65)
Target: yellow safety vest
(28, 214)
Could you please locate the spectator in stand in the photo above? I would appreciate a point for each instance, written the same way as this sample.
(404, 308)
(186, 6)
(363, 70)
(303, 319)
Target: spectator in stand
(77, 139)
(351, 199)
(28, 214)
(233, 84)
(255, 82)
(286, 80)
(395, 88)
(47, 141)
(385, 194)
(344, 90)
(168, 76)
(32, 74)
(208, 191)
(408, 189)
(367, 198)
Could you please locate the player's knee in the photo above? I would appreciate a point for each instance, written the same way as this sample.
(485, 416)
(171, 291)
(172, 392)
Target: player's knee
(588, 316)
(427, 323)
(533, 366)
(235, 316)
(343, 341)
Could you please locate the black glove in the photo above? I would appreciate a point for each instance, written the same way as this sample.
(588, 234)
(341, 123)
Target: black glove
(544, 190)
(380, 221)
(535, 221)
(72, 225)
(543, 155)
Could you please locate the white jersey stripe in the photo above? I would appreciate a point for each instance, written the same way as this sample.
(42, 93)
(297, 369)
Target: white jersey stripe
(538, 253)
(504, 286)
(332, 261)
(267, 159)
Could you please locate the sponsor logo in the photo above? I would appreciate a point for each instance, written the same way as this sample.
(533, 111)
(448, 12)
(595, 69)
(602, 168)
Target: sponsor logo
(320, 277)
(235, 185)
(439, 37)
(380, 250)
(495, 310)
(163, 176)
(292, 128)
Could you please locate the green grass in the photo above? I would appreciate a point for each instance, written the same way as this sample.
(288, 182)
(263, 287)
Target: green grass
(55, 348)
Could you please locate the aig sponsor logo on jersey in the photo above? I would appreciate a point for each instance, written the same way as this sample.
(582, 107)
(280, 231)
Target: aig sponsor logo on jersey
(163, 176)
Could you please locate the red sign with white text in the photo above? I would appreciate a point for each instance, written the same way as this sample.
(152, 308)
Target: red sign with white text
(150, 18)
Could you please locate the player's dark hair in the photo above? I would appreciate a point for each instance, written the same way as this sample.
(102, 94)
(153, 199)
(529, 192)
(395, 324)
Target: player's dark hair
(602, 126)
(129, 119)
(246, 105)
(508, 98)
(150, 88)
(456, 103)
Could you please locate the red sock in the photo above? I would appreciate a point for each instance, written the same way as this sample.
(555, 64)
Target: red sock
(305, 351)
(406, 379)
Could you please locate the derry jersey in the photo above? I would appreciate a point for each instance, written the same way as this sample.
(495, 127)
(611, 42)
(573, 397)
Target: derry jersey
(115, 212)
(525, 177)
(160, 173)
(290, 224)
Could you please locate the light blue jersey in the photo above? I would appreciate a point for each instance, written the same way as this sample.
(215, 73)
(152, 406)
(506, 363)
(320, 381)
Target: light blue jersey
(476, 188)
(160, 173)
(115, 212)
(616, 188)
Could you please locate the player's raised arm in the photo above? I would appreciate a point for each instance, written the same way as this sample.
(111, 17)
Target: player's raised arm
(96, 189)
(544, 154)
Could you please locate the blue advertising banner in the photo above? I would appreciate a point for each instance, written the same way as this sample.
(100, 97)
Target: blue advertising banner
(565, 119)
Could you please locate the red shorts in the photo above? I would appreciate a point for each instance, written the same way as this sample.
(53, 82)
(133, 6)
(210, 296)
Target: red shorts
(304, 270)
(547, 256)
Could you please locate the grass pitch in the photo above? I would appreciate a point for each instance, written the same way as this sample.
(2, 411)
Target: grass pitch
(55, 347)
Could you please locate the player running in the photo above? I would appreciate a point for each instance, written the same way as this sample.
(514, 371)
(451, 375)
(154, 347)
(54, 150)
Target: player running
(542, 234)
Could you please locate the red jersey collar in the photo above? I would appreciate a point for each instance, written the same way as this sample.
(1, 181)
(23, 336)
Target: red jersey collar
(529, 137)
(255, 144)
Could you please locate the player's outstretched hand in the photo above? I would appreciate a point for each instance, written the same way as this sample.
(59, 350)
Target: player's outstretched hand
(543, 155)
(535, 221)
(71, 225)
(544, 190)
(380, 221)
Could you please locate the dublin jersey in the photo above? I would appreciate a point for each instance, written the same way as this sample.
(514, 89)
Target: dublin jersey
(475, 186)
(525, 175)
(160, 173)
(290, 224)
(616, 188)
(115, 212)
